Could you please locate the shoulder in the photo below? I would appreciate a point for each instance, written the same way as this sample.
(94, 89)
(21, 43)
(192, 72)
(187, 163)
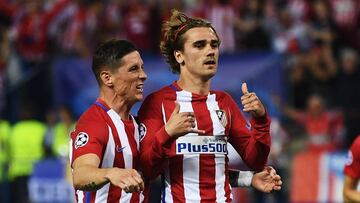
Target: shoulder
(92, 114)
(223, 97)
(221, 94)
(356, 143)
(158, 96)
(92, 120)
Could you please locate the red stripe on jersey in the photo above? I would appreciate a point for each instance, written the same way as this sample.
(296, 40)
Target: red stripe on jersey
(228, 117)
(207, 162)
(175, 164)
(176, 179)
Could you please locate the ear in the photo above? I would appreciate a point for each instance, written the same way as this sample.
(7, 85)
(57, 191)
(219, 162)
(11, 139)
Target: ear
(106, 78)
(179, 57)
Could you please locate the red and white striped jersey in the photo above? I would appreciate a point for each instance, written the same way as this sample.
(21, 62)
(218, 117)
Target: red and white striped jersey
(352, 167)
(101, 131)
(195, 166)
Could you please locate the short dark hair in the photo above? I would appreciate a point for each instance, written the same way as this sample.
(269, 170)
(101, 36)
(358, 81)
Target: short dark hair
(173, 39)
(108, 55)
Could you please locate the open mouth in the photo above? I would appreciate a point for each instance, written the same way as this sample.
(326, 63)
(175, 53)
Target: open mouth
(210, 62)
(140, 87)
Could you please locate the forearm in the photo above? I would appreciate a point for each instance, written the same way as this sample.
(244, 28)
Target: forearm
(349, 190)
(154, 152)
(90, 178)
(352, 196)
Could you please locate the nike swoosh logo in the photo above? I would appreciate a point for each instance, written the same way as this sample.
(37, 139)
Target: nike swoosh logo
(248, 125)
(120, 149)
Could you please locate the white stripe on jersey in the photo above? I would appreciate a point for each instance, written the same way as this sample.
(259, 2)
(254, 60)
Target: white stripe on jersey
(163, 112)
(136, 133)
(137, 138)
(70, 151)
(190, 177)
(80, 195)
(218, 129)
(108, 161)
(126, 149)
(168, 196)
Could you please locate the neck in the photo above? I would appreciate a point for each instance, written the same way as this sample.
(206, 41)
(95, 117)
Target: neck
(194, 85)
(117, 103)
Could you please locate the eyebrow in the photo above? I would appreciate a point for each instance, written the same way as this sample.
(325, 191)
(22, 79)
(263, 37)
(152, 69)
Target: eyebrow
(204, 41)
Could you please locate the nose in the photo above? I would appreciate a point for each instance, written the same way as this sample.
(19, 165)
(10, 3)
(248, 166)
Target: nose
(142, 75)
(211, 50)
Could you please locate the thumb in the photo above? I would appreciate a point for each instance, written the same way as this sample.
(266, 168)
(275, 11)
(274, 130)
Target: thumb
(244, 88)
(176, 109)
(270, 170)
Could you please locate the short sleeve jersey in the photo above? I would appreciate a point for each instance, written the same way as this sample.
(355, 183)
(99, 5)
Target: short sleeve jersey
(352, 167)
(102, 132)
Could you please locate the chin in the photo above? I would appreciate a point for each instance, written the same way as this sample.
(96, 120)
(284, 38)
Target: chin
(139, 98)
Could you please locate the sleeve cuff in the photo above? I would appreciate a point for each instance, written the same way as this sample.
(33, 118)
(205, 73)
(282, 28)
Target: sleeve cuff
(163, 138)
(245, 178)
(263, 120)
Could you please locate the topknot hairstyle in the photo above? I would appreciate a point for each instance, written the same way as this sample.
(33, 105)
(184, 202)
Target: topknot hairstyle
(173, 39)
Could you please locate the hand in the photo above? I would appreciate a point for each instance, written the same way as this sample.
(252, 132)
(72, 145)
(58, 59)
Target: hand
(251, 102)
(267, 180)
(127, 179)
(180, 124)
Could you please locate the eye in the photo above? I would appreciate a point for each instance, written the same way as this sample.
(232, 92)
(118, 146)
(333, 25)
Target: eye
(199, 44)
(214, 44)
(133, 68)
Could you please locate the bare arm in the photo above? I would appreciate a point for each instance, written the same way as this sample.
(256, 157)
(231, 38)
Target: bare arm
(87, 176)
(349, 191)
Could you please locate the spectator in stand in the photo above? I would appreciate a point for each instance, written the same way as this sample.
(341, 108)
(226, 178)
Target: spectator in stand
(299, 10)
(30, 33)
(31, 37)
(80, 33)
(113, 18)
(251, 26)
(137, 23)
(322, 29)
(222, 16)
(346, 14)
(347, 93)
(313, 71)
(287, 36)
(4, 58)
(323, 127)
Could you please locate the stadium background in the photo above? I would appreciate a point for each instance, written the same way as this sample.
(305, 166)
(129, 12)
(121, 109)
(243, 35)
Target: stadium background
(299, 56)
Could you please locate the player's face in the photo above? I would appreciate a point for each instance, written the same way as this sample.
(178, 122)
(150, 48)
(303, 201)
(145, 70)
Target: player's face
(129, 78)
(201, 52)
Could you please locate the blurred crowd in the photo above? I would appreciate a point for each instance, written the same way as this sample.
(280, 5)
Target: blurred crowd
(318, 39)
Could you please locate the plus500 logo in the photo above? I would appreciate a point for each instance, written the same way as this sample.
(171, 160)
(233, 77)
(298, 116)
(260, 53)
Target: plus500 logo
(205, 148)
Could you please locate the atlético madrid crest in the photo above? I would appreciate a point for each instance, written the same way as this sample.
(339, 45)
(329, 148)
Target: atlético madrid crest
(142, 131)
(222, 117)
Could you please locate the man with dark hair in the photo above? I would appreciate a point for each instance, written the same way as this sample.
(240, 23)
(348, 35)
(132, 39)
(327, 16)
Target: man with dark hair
(195, 165)
(103, 145)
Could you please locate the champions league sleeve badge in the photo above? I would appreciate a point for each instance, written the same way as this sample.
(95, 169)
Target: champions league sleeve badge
(81, 140)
